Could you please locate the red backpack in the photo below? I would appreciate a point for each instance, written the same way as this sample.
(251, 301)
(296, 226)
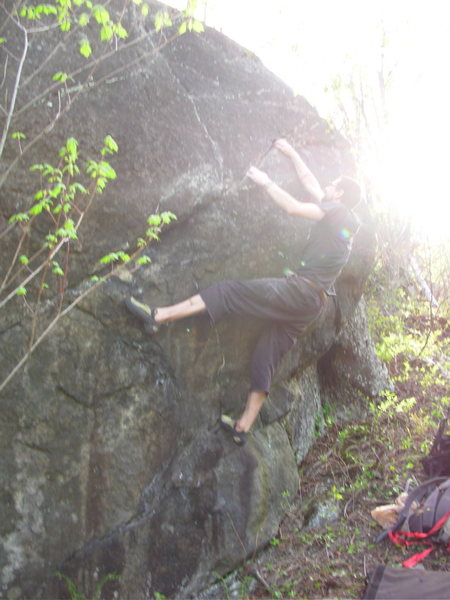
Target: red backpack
(428, 524)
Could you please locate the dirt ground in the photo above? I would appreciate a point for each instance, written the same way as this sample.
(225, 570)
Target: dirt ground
(352, 469)
(334, 560)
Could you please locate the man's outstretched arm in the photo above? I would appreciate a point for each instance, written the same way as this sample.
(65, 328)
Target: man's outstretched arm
(304, 174)
(288, 203)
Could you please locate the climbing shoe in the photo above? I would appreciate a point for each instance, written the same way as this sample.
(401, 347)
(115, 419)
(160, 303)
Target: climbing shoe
(239, 437)
(143, 312)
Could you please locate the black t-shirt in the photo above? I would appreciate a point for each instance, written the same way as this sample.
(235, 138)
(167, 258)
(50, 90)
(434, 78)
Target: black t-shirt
(329, 245)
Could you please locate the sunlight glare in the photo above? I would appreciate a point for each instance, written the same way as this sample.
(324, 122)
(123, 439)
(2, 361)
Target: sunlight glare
(308, 45)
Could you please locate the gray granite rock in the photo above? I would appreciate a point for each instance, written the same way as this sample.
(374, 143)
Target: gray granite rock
(112, 460)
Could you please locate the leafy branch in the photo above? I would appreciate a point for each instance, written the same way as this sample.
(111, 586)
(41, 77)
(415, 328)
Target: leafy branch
(61, 203)
(70, 16)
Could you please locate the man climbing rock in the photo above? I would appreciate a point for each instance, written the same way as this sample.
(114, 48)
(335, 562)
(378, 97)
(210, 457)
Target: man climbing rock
(288, 305)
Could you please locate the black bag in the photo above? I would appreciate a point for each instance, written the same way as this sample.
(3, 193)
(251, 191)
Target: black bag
(389, 583)
(428, 524)
(437, 463)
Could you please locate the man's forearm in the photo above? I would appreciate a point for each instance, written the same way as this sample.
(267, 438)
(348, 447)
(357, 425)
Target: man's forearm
(306, 177)
(304, 173)
(284, 200)
(289, 204)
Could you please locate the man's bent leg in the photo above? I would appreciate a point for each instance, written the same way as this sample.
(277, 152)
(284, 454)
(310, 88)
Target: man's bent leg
(186, 308)
(270, 349)
(254, 404)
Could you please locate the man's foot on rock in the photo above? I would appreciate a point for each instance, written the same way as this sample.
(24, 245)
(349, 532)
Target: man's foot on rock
(239, 437)
(143, 312)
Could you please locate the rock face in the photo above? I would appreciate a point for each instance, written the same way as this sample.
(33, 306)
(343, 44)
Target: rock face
(112, 460)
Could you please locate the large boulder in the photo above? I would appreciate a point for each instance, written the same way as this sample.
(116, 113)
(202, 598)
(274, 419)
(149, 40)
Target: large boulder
(112, 460)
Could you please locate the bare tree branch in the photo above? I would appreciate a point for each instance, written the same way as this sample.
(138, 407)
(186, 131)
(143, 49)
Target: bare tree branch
(10, 112)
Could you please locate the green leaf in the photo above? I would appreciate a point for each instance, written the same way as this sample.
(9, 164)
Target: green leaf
(158, 21)
(72, 588)
(198, 26)
(168, 216)
(190, 8)
(47, 9)
(110, 145)
(151, 234)
(101, 15)
(2, 40)
(182, 28)
(48, 170)
(72, 148)
(77, 187)
(65, 25)
(85, 48)
(144, 10)
(108, 258)
(19, 217)
(51, 240)
(143, 260)
(27, 12)
(120, 31)
(36, 209)
(154, 220)
(24, 259)
(60, 76)
(83, 19)
(18, 135)
(56, 190)
(21, 291)
(106, 33)
(102, 583)
(106, 170)
(67, 230)
(137, 2)
(115, 256)
(57, 269)
(92, 168)
(162, 19)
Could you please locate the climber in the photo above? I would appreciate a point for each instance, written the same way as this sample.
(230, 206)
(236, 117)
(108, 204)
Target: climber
(287, 305)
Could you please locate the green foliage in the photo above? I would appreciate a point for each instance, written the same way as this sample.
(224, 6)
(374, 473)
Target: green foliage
(49, 223)
(408, 335)
(85, 48)
(114, 257)
(161, 20)
(76, 595)
(156, 223)
(275, 541)
(66, 17)
(67, 191)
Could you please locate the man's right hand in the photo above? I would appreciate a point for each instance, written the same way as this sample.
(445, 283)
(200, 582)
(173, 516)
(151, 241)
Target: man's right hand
(285, 147)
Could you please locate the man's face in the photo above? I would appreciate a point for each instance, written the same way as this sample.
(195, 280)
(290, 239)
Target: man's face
(332, 191)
